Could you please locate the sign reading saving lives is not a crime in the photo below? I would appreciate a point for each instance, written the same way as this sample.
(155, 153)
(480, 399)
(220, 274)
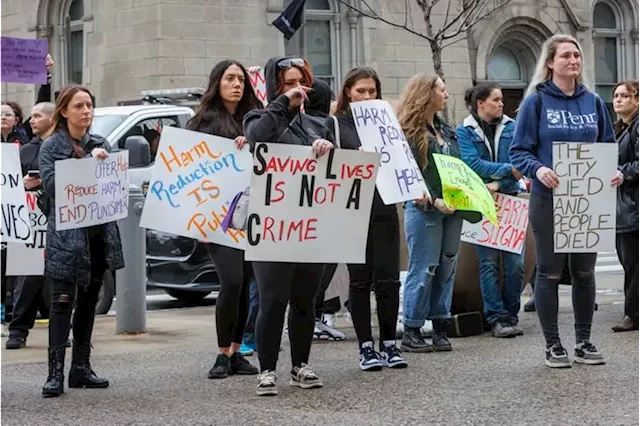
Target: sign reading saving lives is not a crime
(14, 226)
(28, 258)
(308, 209)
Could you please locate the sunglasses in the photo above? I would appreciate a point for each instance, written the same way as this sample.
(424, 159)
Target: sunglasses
(289, 62)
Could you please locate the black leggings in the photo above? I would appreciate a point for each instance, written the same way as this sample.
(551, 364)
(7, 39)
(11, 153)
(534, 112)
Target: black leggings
(330, 306)
(627, 247)
(382, 272)
(232, 305)
(279, 283)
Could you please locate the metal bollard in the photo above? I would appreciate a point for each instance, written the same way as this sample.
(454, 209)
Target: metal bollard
(131, 281)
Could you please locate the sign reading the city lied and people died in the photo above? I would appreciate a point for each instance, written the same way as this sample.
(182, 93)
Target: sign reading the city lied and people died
(584, 203)
(23, 60)
(194, 179)
(15, 213)
(259, 84)
(28, 258)
(92, 191)
(308, 209)
(510, 234)
(463, 189)
(399, 178)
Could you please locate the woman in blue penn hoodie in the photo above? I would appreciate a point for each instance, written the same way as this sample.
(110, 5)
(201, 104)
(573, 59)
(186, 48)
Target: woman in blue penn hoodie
(485, 137)
(559, 107)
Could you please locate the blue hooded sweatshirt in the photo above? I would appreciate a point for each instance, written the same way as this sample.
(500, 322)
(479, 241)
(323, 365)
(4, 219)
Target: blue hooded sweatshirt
(556, 117)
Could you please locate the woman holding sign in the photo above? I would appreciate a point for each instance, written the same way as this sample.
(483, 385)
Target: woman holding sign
(558, 107)
(227, 99)
(382, 268)
(75, 259)
(287, 80)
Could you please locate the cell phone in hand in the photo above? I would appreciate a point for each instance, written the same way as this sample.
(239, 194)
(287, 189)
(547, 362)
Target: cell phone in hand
(34, 174)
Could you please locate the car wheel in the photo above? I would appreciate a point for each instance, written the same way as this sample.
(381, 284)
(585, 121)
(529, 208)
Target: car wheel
(107, 291)
(188, 297)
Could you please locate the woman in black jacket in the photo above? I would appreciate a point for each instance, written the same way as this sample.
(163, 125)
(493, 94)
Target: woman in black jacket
(226, 101)
(382, 268)
(75, 259)
(288, 80)
(625, 104)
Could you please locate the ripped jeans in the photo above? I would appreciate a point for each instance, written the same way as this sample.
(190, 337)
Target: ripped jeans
(433, 240)
(549, 272)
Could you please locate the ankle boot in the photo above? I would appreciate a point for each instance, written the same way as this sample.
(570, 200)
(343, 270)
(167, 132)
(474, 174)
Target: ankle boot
(81, 375)
(55, 380)
(440, 341)
(412, 341)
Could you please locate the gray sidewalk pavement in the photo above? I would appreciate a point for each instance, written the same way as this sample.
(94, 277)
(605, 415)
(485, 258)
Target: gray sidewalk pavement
(159, 378)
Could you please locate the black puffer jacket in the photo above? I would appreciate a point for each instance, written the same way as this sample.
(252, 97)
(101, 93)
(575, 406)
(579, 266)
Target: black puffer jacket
(627, 205)
(67, 252)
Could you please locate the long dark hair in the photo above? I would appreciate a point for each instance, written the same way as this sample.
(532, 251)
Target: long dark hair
(60, 122)
(633, 88)
(211, 115)
(350, 80)
(479, 92)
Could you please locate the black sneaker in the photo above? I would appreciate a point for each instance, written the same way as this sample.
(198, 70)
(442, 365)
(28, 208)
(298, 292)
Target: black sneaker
(222, 368)
(557, 357)
(586, 353)
(16, 342)
(240, 365)
(392, 357)
(369, 358)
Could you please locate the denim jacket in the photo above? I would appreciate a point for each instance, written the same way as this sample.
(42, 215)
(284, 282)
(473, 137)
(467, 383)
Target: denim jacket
(476, 152)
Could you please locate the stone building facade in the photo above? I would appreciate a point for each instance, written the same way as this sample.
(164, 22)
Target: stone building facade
(120, 47)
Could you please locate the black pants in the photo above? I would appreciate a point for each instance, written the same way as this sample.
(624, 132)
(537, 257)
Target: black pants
(27, 297)
(232, 305)
(627, 247)
(330, 306)
(550, 271)
(382, 272)
(62, 301)
(279, 284)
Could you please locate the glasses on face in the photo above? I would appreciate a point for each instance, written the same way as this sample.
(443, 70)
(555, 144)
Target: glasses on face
(7, 114)
(289, 62)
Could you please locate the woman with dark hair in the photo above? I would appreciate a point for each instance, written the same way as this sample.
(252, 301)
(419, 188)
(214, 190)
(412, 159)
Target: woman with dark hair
(484, 138)
(287, 80)
(75, 259)
(11, 118)
(228, 98)
(382, 268)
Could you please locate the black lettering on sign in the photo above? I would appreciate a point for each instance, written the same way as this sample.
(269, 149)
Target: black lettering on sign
(15, 222)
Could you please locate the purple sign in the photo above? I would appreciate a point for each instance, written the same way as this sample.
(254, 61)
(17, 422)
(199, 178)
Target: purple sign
(23, 60)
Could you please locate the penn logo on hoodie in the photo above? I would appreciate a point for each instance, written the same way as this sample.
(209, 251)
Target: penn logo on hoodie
(564, 119)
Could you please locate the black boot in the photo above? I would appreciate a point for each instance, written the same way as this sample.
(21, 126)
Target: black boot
(439, 337)
(81, 375)
(412, 341)
(55, 381)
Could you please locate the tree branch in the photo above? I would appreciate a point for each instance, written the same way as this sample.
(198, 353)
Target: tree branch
(467, 9)
(469, 23)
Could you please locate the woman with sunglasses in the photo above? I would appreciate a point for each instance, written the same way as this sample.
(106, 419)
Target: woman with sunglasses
(287, 80)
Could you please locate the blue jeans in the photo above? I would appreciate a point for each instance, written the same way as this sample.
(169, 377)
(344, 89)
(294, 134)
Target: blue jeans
(249, 336)
(500, 305)
(433, 239)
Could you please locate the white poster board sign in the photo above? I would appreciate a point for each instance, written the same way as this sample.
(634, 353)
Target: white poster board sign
(14, 226)
(259, 85)
(28, 258)
(584, 204)
(399, 178)
(510, 235)
(91, 192)
(195, 177)
(308, 209)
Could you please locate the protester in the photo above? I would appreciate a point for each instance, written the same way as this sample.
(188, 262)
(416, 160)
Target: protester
(287, 81)
(485, 137)
(29, 290)
(625, 104)
(75, 259)
(227, 99)
(381, 270)
(11, 118)
(432, 228)
(557, 90)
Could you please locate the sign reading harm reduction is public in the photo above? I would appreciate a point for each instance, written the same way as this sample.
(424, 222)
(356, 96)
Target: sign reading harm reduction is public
(308, 209)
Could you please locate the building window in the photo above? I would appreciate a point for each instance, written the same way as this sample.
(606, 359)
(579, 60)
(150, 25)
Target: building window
(75, 42)
(504, 66)
(607, 32)
(316, 39)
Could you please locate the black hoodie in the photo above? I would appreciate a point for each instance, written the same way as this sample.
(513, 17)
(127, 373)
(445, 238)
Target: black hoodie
(277, 123)
(319, 103)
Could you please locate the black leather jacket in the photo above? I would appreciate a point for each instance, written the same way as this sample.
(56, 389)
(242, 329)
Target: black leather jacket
(627, 205)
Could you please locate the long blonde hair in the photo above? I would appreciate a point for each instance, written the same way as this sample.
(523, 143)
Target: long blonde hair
(413, 113)
(549, 48)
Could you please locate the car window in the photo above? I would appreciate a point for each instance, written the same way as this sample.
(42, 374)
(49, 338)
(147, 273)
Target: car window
(103, 125)
(151, 129)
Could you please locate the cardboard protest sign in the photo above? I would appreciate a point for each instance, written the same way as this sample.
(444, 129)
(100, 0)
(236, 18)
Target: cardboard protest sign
(92, 191)
(584, 204)
(259, 85)
(28, 258)
(23, 60)
(510, 234)
(195, 177)
(399, 178)
(15, 213)
(308, 209)
(463, 189)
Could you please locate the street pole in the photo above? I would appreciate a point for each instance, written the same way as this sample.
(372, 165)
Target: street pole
(131, 281)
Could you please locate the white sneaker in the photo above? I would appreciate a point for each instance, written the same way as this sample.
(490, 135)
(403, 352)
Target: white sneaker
(322, 331)
(304, 377)
(267, 384)
(329, 320)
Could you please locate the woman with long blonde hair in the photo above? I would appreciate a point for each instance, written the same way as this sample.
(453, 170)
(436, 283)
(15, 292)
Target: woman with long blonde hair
(432, 228)
(559, 107)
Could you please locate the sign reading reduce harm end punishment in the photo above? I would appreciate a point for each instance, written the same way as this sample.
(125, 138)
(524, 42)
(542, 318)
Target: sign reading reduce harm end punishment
(584, 203)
